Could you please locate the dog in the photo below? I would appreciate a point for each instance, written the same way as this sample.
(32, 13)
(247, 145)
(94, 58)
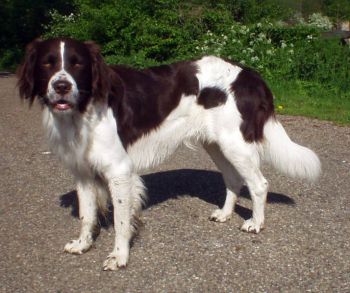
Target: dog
(106, 123)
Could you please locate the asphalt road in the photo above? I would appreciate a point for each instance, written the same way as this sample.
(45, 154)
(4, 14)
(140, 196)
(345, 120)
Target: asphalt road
(304, 248)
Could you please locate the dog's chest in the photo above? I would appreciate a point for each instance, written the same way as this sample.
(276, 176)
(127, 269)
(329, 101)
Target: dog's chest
(87, 146)
(69, 139)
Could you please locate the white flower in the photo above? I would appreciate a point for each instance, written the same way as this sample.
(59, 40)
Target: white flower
(320, 21)
(255, 58)
(244, 30)
(262, 36)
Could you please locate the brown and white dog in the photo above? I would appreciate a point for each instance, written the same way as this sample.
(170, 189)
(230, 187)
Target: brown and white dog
(106, 123)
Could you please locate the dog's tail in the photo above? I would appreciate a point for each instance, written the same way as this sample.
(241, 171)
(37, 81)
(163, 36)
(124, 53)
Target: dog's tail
(286, 156)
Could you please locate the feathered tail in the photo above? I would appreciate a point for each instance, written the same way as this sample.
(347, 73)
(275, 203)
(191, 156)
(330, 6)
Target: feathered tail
(286, 156)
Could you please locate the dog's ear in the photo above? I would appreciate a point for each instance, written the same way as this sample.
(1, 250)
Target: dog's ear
(100, 73)
(25, 72)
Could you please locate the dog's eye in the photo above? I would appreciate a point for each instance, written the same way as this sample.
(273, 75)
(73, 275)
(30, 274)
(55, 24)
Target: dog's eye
(77, 65)
(75, 62)
(47, 64)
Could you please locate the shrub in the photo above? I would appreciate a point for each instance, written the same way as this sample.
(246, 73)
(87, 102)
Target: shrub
(282, 52)
(144, 33)
(140, 32)
(9, 58)
(320, 21)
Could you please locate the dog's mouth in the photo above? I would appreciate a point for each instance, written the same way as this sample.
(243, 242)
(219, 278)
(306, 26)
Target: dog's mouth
(62, 105)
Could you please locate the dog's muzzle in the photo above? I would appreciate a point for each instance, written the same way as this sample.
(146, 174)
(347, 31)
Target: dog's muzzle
(62, 89)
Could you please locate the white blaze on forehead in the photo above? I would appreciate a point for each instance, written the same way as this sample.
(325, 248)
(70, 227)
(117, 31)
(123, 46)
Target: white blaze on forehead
(62, 44)
(62, 74)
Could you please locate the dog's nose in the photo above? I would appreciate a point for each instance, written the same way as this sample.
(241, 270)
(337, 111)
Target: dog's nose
(62, 87)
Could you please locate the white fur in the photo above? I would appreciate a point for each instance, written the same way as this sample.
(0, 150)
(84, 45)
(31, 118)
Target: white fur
(215, 72)
(183, 125)
(62, 45)
(288, 157)
(89, 145)
(87, 214)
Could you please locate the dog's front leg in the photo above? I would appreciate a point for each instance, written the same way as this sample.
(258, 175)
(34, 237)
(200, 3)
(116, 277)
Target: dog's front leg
(88, 217)
(120, 188)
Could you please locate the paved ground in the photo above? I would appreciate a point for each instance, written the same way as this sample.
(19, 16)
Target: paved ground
(305, 247)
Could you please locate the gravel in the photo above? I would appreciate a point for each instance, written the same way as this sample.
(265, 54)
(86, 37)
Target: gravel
(304, 248)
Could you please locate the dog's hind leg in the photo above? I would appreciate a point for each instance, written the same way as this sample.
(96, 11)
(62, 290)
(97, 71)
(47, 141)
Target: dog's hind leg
(232, 181)
(88, 217)
(245, 158)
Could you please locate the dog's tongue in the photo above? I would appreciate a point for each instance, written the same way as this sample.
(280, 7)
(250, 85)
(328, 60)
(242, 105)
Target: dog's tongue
(62, 106)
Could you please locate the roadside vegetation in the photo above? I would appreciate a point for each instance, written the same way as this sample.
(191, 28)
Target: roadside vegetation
(283, 40)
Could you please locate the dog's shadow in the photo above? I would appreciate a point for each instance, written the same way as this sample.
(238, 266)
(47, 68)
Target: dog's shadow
(162, 186)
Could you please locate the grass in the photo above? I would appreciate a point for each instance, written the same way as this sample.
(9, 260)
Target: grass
(311, 99)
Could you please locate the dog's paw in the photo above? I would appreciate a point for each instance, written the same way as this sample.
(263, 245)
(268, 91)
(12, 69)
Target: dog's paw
(113, 262)
(220, 215)
(78, 246)
(251, 226)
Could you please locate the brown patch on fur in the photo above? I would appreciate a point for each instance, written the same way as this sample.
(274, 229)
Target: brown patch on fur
(100, 73)
(144, 98)
(255, 103)
(211, 97)
(25, 73)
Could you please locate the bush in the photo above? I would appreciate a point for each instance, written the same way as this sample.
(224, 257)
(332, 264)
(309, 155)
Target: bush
(320, 21)
(282, 52)
(145, 33)
(150, 32)
(140, 32)
(9, 59)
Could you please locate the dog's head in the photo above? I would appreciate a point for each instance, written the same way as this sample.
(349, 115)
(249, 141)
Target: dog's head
(64, 73)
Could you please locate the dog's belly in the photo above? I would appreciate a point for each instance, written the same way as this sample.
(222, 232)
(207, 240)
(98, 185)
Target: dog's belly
(183, 125)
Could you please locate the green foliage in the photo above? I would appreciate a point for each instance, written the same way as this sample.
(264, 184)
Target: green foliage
(310, 74)
(282, 52)
(9, 58)
(310, 98)
(338, 10)
(140, 32)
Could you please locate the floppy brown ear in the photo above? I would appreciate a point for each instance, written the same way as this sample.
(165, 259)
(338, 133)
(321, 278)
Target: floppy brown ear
(25, 72)
(100, 72)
